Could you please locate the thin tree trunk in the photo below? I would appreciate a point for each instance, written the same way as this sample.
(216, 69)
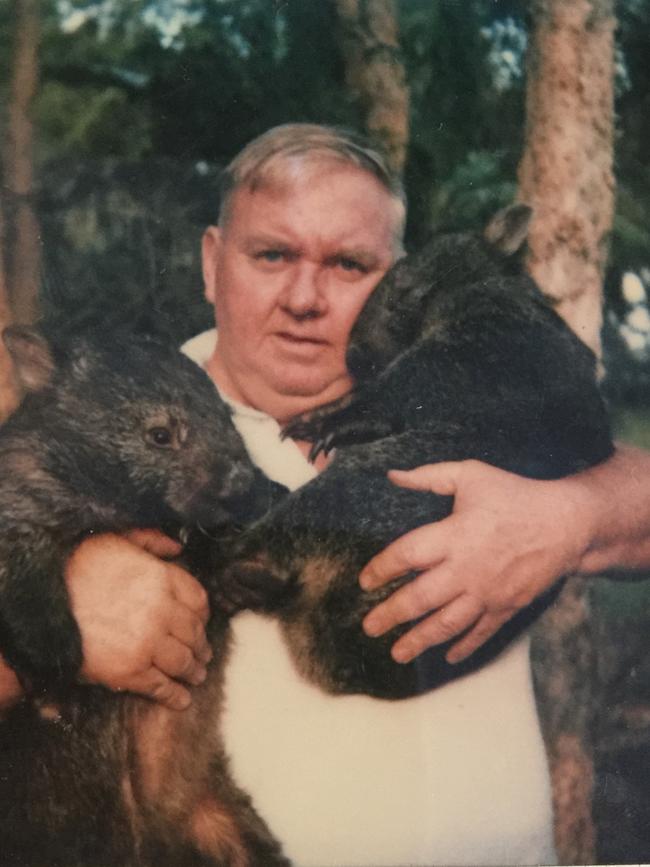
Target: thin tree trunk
(375, 72)
(8, 390)
(24, 262)
(566, 170)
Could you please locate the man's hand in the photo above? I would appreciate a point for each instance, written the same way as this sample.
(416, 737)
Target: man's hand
(10, 689)
(142, 620)
(507, 541)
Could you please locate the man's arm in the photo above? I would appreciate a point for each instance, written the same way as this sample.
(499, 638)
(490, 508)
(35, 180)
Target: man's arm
(142, 619)
(507, 540)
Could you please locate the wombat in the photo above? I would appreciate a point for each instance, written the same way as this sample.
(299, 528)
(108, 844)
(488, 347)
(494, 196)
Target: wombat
(108, 438)
(456, 355)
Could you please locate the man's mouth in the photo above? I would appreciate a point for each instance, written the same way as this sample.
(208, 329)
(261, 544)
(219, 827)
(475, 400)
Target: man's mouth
(301, 339)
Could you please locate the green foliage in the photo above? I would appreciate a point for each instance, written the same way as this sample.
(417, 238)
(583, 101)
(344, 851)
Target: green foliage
(120, 245)
(234, 68)
(476, 189)
(91, 121)
(462, 126)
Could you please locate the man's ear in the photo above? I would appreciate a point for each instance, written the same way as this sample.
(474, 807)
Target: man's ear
(210, 252)
(31, 355)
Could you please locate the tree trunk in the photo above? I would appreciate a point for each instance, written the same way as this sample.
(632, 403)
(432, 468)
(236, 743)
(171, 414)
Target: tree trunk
(23, 265)
(375, 72)
(566, 175)
(566, 170)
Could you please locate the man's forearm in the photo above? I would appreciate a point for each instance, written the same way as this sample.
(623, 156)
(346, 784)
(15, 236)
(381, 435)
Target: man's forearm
(615, 501)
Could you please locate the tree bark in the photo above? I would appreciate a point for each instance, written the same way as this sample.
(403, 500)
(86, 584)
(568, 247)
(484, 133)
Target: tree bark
(566, 176)
(23, 264)
(375, 73)
(566, 170)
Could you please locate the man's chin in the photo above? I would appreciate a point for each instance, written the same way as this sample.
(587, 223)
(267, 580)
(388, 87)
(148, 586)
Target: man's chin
(318, 391)
(302, 396)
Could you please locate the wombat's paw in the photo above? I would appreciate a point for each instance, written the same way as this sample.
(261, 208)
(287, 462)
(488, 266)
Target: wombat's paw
(359, 422)
(256, 583)
(309, 425)
(352, 432)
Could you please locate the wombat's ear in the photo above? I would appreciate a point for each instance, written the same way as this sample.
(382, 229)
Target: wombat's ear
(508, 228)
(31, 355)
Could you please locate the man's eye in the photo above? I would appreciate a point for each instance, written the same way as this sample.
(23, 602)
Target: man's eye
(160, 436)
(270, 255)
(351, 265)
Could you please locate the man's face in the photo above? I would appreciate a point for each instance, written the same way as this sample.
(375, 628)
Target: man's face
(288, 275)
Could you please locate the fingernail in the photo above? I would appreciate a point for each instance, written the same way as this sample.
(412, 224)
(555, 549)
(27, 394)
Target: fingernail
(401, 653)
(452, 658)
(200, 676)
(183, 702)
(366, 580)
(372, 626)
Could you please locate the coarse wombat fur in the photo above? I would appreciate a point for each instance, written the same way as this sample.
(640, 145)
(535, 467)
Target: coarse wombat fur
(108, 438)
(455, 355)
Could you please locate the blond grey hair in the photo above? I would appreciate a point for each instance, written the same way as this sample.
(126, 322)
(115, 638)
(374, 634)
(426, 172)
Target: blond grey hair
(274, 156)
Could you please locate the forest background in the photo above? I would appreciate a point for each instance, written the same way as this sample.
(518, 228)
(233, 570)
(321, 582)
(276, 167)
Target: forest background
(117, 115)
(136, 104)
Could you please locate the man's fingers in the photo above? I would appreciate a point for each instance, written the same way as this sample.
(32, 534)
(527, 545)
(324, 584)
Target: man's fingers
(189, 592)
(485, 628)
(155, 542)
(157, 686)
(441, 626)
(420, 549)
(415, 599)
(440, 478)
(188, 628)
(176, 660)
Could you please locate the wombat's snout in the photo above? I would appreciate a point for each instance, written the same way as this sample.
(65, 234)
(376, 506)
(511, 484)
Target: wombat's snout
(236, 480)
(219, 501)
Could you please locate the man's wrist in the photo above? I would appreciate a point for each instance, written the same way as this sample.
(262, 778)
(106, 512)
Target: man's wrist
(610, 533)
(580, 515)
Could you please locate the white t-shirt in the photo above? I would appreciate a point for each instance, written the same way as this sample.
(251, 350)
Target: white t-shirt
(456, 776)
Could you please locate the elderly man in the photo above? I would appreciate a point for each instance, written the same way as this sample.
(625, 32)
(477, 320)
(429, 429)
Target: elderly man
(310, 221)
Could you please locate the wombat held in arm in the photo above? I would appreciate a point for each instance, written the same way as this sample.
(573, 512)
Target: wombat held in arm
(108, 438)
(455, 355)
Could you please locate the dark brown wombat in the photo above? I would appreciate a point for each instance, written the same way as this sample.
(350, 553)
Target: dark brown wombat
(112, 437)
(455, 355)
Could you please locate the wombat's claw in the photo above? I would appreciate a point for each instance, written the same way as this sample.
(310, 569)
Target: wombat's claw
(324, 445)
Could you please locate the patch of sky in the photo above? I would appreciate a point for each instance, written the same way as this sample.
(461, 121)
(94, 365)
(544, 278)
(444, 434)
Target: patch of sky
(634, 327)
(72, 16)
(169, 17)
(508, 42)
(166, 17)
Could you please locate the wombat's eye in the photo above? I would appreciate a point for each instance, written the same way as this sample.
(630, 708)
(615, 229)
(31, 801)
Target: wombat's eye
(160, 436)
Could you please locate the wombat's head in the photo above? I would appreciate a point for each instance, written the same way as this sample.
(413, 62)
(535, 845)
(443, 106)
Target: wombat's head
(132, 423)
(394, 315)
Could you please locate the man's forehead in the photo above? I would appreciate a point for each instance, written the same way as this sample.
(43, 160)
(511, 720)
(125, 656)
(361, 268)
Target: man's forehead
(350, 210)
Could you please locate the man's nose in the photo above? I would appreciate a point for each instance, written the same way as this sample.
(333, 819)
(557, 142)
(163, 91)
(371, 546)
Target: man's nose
(303, 293)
